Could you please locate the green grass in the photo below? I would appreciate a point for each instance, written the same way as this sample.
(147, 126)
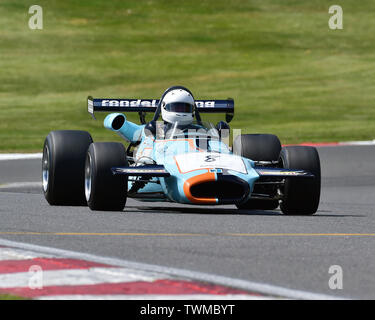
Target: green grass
(287, 71)
(10, 297)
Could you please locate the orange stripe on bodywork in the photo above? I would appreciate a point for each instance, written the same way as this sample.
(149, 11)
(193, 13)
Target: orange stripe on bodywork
(205, 177)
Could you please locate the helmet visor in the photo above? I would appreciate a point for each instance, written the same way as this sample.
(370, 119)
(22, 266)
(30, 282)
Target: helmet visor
(179, 107)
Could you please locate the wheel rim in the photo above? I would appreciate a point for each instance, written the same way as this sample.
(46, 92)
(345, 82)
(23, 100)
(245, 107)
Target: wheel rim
(45, 168)
(88, 177)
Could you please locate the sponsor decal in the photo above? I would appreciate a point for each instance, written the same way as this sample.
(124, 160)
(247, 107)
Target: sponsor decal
(205, 104)
(147, 103)
(129, 103)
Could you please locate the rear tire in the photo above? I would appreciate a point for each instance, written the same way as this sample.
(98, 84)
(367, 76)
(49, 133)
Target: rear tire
(103, 190)
(63, 164)
(301, 195)
(258, 147)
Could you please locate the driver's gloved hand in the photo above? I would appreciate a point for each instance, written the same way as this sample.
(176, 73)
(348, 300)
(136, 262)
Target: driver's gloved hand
(150, 128)
(223, 129)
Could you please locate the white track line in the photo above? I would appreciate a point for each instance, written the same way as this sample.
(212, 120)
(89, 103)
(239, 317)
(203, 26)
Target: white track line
(358, 143)
(19, 156)
(267, 289)
(25, 156)
(17, 185)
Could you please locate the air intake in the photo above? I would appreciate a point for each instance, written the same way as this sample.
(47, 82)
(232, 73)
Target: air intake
(226, 189)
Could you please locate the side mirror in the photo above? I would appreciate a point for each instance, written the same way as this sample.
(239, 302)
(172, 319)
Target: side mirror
(150, 129)
(223, 128)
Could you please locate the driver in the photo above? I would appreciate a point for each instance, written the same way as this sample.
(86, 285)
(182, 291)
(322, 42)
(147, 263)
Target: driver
(177, 112)
(177, 107)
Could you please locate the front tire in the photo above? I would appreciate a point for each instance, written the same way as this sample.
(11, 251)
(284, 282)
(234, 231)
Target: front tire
(301, 195)
(103, 190)
(258, 147)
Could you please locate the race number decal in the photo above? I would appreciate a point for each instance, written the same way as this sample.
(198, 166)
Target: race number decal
(211, 158)
(202, 160)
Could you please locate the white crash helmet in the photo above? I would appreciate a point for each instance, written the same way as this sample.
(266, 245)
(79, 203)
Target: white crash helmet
(178, 106)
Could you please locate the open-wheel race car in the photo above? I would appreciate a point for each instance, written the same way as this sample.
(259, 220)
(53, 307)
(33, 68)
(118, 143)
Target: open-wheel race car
(178, 157)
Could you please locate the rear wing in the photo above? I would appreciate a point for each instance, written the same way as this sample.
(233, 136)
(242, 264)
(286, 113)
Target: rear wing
(151, 105)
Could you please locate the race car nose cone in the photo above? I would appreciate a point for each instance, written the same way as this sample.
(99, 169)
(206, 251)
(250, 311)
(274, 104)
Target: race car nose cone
(211, 188)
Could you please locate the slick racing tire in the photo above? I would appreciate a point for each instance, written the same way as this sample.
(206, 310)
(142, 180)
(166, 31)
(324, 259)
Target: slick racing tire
(301, 195)
(103, 190)
(258, 147)
(63, 164)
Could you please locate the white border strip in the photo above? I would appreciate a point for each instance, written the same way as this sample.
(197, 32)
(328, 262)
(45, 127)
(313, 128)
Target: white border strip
(266, 289)
(19, 156)
(357, 143)
(154, 297)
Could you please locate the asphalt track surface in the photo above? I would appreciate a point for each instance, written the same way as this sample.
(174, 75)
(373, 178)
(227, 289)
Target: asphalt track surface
(293, 252)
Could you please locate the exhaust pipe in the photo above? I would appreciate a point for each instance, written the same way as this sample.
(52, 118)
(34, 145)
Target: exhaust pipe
(117, 122)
